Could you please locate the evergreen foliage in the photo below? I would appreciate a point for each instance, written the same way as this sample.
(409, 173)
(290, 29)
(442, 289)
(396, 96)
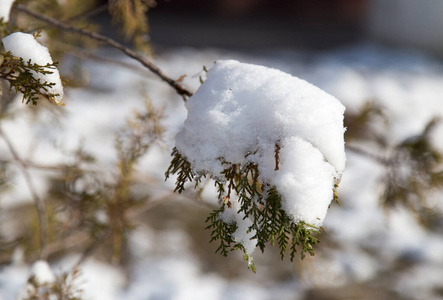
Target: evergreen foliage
(259, 201)
(73, 12)
(414, 173)
(85, 193)
(5, 28)
(65, 287)
(131, 16)
(413, 166)
(21, 77)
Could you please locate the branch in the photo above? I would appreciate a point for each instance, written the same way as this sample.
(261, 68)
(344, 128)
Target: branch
(277, 157)
(73, 241)
(89, 14)
(110, 42)
(39, 205)
(94, 244)
(84, 54)
(378, 158)
(129, 214)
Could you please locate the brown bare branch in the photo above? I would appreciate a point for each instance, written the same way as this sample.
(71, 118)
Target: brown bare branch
(386, 161)
(39, 204)
(89, 14)
(83, 54)
(110, 42)
(277, 156)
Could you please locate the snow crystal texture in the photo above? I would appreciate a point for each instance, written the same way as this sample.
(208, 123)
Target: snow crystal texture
(242, 111)
(24, 45)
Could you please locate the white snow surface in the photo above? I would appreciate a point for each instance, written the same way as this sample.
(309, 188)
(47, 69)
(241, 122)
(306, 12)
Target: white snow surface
(26, 46)
(407, 85)
(242, 111)
(5, 8)
(42, 272)
(43, 275)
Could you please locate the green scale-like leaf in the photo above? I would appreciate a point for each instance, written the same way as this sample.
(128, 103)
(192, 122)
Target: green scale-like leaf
(259, 202)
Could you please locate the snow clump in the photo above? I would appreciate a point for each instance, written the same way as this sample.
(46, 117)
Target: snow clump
(242, 112)
(42, 275)
(25, 46)
(42, 272)
(5, 8)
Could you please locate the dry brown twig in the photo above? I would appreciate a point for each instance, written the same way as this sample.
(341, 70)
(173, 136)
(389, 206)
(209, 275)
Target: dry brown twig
(110, 42)
(39, 204)
(80, 238)
(89, 14)
(384, 160)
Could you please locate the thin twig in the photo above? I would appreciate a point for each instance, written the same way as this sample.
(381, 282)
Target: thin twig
(39, 204)
(277, 157)
(378, 158)
(89, 14)
(78, 240)
(89, 251)
(84, 15)
(74, 241)
(83, 54)
(110, 42)
(129, 214)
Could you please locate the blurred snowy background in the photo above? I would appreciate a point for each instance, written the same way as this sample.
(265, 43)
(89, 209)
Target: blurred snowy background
(379, 55)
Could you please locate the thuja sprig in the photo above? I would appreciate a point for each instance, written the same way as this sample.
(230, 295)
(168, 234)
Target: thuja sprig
(180, 166)
(21, 76)
(414, 173)
(65, 286)
(221, 231)
(259, 202)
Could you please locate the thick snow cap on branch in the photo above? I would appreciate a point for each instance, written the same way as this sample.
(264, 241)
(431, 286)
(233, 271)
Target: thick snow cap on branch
(25, 46)
(5, 8)
(242, 112)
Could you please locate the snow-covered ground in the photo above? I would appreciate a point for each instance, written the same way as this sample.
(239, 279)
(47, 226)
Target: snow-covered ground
(364, 240)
